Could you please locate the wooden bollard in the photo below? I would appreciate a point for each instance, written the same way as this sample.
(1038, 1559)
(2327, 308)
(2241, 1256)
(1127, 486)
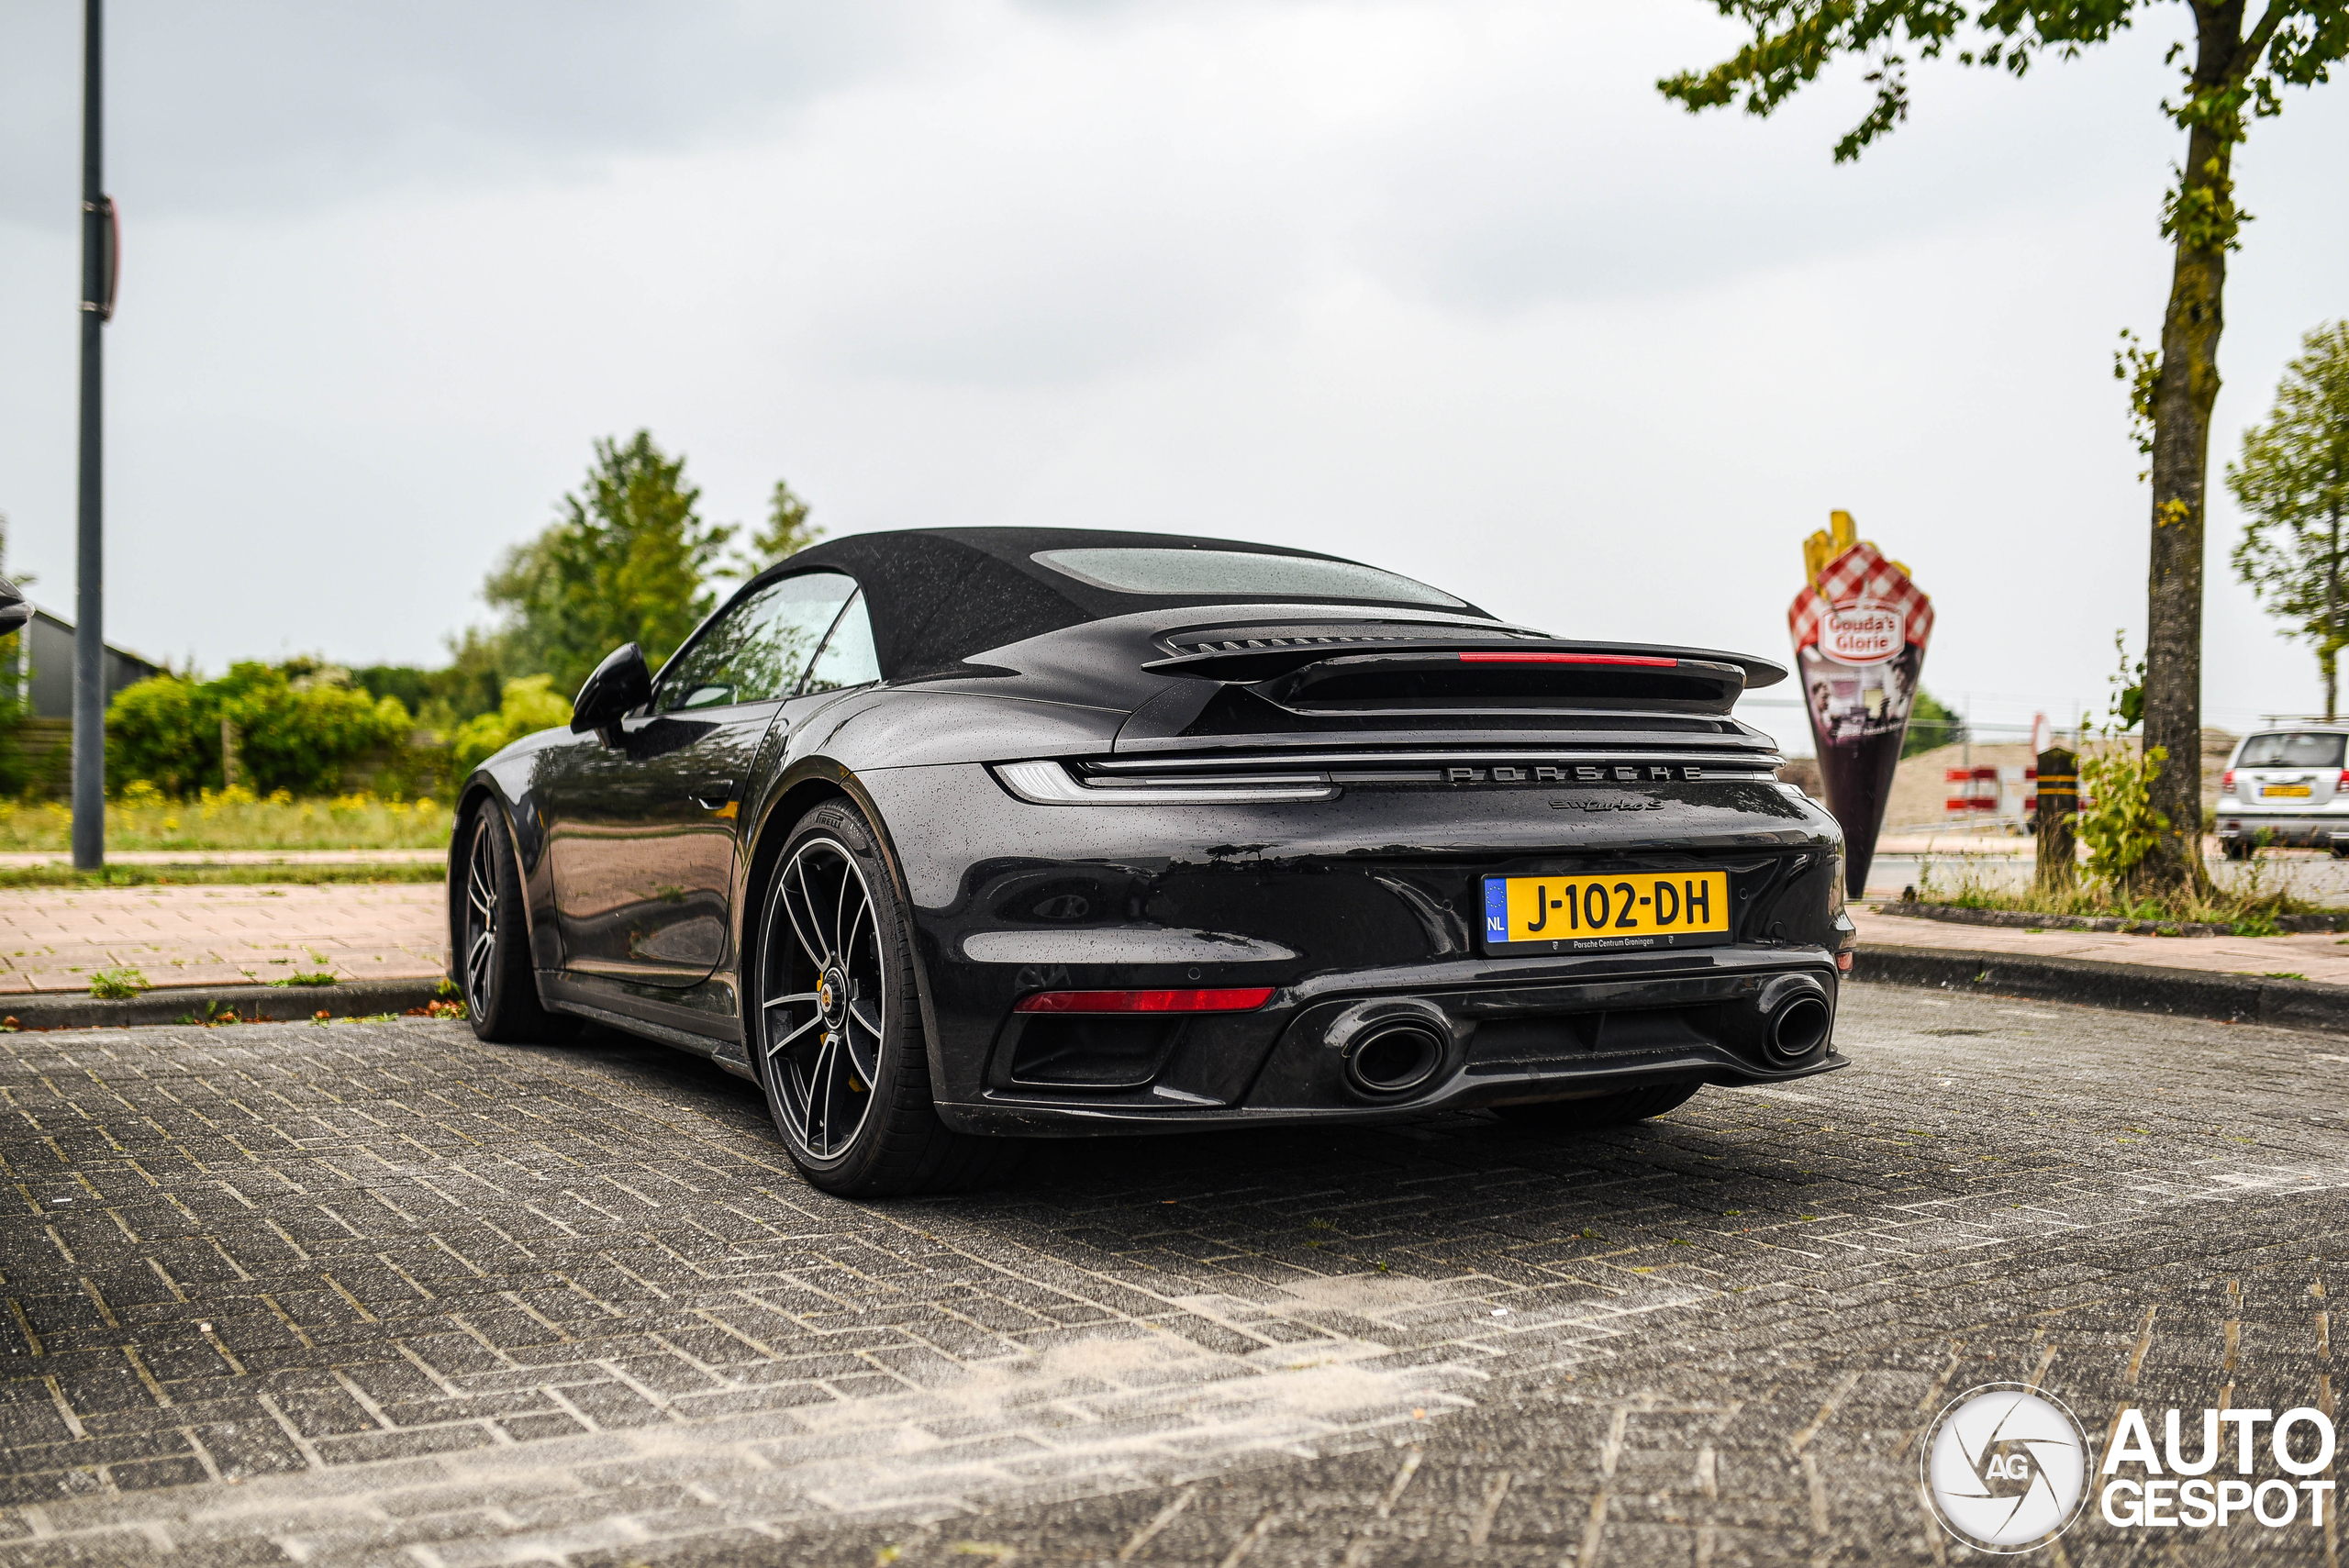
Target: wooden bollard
(2059, 803)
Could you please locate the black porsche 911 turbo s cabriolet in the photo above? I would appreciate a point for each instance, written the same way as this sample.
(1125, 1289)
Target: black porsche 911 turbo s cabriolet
(954, 837)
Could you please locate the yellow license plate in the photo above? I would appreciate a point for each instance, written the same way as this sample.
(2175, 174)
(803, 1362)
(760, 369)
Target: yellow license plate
(1643, 909)
(2281, 792)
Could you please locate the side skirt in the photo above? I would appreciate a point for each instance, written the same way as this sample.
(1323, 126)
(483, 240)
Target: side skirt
(713, 1037)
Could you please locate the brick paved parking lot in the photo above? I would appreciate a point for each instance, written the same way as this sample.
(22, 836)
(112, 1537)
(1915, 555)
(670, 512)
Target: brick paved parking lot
(378, 1294)
(52, 939)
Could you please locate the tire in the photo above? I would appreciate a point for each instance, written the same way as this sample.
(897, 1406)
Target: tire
(492, 940)
(1600, 1111)
(835, 1028)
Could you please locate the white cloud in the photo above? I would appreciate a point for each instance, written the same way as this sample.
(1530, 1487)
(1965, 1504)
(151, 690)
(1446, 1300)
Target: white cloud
(1446, 286)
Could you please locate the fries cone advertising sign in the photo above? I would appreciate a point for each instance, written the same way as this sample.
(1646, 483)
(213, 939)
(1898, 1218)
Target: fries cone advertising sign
(1860, 628)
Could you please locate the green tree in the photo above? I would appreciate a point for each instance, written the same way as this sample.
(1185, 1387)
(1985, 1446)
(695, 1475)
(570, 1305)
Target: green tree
(625, 561)
(786, 533)
(2293, 480)
(297, 732)
(2236, 64)
(16, 771)
(468, 687)
(1930, 723)
(528, 705)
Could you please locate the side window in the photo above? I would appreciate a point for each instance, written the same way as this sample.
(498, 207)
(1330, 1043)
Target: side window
(755, 651)
(847, 658)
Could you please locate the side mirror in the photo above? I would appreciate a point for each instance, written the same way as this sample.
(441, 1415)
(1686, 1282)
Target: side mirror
(619, 686)
(14, 610)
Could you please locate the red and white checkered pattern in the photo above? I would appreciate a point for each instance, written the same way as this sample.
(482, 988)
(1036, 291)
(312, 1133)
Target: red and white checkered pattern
(1861, 575)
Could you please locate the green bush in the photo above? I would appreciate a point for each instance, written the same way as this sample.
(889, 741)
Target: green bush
(529, 705)
(294, 734)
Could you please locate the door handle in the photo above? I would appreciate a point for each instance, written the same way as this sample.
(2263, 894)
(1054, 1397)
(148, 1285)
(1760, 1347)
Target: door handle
(715, 795)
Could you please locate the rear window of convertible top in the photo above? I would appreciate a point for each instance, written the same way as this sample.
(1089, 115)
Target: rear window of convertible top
(1126, 569)
(2285, 749)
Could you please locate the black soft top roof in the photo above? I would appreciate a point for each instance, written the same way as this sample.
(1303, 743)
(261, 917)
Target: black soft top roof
(939, 595)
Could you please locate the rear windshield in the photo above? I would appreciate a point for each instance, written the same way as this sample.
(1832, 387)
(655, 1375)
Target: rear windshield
(1198, 571)
(2289, 751)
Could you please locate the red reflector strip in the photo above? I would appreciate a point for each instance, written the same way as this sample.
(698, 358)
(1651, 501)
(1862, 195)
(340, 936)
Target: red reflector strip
(1239, 999)
(1568, 659)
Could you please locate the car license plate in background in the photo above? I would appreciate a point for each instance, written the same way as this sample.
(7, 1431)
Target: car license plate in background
(2279, 792)
(1646, 909)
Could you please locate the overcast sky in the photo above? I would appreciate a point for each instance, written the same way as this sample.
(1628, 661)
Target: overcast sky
(1444, 287)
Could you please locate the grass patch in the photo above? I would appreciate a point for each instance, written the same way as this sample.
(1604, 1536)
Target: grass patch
(117, 983)
(2252, 907)
(228, 875)
(144, 818)
(298, 977)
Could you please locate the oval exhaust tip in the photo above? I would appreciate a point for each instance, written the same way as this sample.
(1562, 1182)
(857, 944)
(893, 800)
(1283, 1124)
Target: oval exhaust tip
(1393, 1061)
(1798, 1027)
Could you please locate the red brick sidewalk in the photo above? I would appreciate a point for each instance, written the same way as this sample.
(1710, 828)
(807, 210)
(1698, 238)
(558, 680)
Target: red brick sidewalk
(51, 939)
(2317, 955)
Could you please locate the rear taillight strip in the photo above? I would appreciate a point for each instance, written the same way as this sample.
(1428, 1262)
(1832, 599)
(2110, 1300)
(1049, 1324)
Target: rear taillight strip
(1728, 756)
(1640, 659)
(1050, 783)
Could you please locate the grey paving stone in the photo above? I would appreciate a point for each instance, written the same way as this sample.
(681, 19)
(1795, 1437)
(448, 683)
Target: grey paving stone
(397, 1297)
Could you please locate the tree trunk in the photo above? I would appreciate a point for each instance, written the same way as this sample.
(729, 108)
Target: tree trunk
(2332, 615)
(2184, 393)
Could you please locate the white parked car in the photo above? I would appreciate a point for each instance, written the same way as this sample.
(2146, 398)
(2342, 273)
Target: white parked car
(2287, 786)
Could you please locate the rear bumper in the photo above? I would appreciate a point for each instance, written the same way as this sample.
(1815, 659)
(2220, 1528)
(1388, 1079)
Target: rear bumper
(2303, 829)
(1503, 1032)
(1346, 909)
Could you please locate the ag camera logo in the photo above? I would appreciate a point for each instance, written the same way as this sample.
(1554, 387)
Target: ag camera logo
(2006, 1467)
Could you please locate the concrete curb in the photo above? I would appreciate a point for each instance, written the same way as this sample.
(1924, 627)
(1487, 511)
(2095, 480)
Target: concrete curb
(252, 1004)
(2014, 920)
(2130, 987)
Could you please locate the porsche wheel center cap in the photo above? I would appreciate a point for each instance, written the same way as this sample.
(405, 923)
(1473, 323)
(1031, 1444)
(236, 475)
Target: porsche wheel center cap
(832, 997)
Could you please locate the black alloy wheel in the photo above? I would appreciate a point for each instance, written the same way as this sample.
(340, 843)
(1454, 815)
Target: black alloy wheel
(836, 1031)
(823, 1042)
(477, 949)
(491, 939)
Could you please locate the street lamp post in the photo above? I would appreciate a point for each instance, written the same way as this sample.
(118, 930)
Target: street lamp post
(98, 272)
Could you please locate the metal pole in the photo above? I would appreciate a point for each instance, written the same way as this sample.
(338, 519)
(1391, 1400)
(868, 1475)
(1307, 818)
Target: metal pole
(89, 624)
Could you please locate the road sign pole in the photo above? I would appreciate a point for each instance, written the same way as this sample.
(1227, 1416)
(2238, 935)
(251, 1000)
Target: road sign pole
(89, 626)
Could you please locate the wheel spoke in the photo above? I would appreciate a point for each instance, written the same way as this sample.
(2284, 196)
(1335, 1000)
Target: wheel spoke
(816, 956)
(795, 996)
(840, 902)
(820, 1083)
(868, 1063)
(855, 1011)
(848, 943)
(775, 1048)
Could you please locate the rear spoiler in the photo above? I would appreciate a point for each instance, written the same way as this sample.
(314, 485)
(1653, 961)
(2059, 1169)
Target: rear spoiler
(1434, 654)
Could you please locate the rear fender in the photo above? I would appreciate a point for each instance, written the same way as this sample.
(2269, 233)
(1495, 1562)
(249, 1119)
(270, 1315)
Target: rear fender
(806, 784)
